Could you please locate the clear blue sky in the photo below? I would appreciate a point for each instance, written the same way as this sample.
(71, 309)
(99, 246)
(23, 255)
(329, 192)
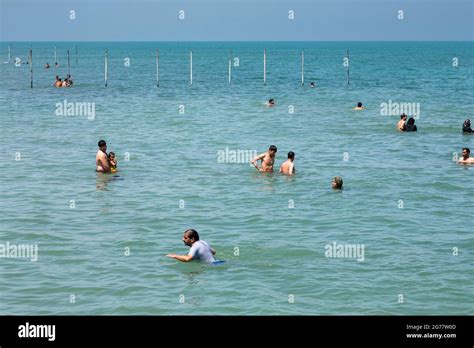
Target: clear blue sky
(236, 20)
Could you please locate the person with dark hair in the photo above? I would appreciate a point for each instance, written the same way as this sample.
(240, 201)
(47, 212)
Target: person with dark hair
(267, 159)
(312, 85)
(101, 158)
(46, 66)
(112, 162)
(466, 127)
(271, 102)
(337, 183)
(288, 167)
(200, 250)
(410, 126)
(359, 106)
(401, 123)
(465, 159)
(58, 82)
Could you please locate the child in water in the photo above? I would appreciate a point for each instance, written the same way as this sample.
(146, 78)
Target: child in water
(113, 162)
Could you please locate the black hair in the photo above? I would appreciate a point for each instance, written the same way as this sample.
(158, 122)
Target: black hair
(272, 148)
(467, 149)
(111, 153)
(101, 143)
(192, 233)
(411, 121)
(359, 104)
(291, 155)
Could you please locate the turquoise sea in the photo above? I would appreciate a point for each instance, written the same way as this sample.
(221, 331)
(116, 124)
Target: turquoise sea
(405, 199)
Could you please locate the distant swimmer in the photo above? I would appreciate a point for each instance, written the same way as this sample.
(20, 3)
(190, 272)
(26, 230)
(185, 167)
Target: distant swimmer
(410, 126)
(359, 106)
(112, 162)
(58, 82)
(267, 158)
(337, 183)
(46, 66)
(466, 127)
(66, 83)
(200, 250)
(56, 64)
(69, 79)
(312, 85)
(465, 157)
(101, 159)
(271, 102)
(288, 167)
(401, 123)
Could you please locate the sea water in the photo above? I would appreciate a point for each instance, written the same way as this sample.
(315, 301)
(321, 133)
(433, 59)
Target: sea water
(102, 240)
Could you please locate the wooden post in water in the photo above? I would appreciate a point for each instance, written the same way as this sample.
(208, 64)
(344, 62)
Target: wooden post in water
(9, 55)
(191, 67)
(157, 69)
(68, 64)
(230, 67)
(348, 64)
(264, 66)
(302, 68)
(75, 47)
(106, 67)
(31, 67)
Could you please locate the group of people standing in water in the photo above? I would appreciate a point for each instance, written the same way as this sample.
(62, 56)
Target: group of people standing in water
(67, 82)
(105, 162)
(202, 251)
(406, 126)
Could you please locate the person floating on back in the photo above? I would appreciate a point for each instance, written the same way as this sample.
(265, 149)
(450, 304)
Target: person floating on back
(410, 126)
(359, 106)
(267, 159)
(288, 167)
(271, 102)
(466, 127)
(465, 159)
(200, 250)
(337, 183)
(102, 164)
(402, 122)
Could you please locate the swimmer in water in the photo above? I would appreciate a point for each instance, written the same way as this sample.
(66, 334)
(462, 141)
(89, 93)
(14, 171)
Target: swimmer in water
(271, 102)
(401, 123)
(288, 167)
(58, 82)
(112, 162)
(465, 157)
(337, 183)
(267, 158)
(359, 106)
(66, 83)
(466, 127)
(410, 126)
(200, 250)
(69, 80)
(312, 85)
(101, 160)
(46, 66)
(56, 64)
